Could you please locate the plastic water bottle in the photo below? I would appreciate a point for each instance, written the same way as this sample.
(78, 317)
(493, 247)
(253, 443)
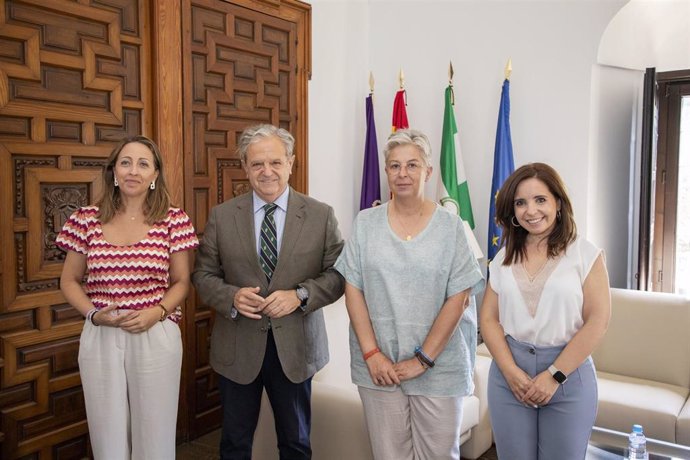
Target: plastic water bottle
(637, 444)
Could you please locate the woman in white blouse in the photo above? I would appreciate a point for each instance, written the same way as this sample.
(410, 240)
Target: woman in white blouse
(546, 308)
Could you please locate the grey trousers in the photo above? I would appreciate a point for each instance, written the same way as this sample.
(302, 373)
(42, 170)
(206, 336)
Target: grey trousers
(557, 430)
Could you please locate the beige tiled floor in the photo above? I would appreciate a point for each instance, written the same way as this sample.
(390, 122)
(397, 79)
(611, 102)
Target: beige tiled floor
(206, 448)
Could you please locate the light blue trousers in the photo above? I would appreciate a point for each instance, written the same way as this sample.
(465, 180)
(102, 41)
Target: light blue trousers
(560, 429)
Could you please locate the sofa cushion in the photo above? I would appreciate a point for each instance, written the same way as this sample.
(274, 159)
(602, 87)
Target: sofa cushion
(683, 425)
(647, 327)
(470, 413)
(624, 401)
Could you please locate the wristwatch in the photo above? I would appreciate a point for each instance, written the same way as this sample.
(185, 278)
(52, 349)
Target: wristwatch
(557, 375)
(303, 296)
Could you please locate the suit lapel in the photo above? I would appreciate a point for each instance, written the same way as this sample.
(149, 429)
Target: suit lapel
(294, 220)
(244, 222)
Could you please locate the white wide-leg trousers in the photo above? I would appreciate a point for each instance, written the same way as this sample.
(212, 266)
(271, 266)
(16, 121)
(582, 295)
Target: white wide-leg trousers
(131, 386)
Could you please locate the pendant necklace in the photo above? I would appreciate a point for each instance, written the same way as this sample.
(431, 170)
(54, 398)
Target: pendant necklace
(409, 235)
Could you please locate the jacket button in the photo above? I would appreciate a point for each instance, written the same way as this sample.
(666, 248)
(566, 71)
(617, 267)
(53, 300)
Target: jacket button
(531, 351)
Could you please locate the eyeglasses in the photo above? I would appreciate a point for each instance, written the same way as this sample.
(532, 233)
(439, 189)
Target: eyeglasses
(412, 167)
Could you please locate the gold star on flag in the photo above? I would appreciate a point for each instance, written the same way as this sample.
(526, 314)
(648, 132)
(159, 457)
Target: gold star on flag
(494, 240)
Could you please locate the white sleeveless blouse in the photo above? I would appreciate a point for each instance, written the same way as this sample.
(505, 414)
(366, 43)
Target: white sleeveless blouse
(548, 310)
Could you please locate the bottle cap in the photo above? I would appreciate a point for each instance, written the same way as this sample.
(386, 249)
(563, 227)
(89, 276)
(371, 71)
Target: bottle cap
(637, 428)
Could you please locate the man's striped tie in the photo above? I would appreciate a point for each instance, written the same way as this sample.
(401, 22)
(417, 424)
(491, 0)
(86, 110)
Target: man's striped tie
(268, 253)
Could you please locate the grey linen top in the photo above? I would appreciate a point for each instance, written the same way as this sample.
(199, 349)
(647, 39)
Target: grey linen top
(405, 284)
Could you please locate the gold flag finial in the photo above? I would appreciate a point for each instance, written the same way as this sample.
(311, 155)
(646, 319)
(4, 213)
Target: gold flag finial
(509, 68)
(401, 78)
(371, 82)
(450, 73)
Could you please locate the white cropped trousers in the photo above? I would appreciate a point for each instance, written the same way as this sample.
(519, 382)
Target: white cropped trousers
(131, 386)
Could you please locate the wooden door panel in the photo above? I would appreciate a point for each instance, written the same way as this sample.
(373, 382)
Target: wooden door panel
(72, 82)
(244, 62)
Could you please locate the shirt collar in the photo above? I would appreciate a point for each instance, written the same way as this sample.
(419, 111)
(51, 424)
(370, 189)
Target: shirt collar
(281, 201)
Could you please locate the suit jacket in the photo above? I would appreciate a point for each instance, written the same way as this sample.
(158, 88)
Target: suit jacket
(227, 261)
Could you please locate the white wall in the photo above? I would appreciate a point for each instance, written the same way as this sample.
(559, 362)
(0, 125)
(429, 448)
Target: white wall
(614, 120)
(553, 46)
(648, 33)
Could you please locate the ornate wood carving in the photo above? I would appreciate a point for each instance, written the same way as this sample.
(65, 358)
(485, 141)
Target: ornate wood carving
(245, 62)
(77, 76)
(72, 82)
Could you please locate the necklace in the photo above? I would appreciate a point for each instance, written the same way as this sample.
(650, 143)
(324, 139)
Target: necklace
(418, 213)
(533, 277)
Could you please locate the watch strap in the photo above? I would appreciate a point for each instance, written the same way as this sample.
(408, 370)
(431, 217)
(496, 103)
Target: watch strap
(557, 375)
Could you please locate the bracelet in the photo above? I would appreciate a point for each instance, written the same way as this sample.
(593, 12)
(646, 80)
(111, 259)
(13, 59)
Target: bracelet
(371, 353)
(419, 353)
(421, 361)
(164, 313)
(90, 316)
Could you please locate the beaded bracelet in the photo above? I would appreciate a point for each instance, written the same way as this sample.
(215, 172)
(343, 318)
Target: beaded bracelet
(419, 353)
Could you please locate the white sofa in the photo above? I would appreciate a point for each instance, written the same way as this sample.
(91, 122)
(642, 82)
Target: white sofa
(338, 426)
(643, 367)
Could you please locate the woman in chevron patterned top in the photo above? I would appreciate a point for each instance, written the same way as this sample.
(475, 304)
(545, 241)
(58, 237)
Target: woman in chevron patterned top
(133, 247)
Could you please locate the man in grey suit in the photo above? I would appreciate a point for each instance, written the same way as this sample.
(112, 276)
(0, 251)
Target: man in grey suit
(266, 266)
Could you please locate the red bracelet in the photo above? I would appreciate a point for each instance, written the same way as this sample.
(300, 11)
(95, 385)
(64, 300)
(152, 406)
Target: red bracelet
(371, 353)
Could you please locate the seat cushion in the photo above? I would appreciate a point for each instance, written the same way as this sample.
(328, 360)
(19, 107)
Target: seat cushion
(624, 401)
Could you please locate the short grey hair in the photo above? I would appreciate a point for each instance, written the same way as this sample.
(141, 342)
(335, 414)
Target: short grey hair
(256, 133)
(409, 137)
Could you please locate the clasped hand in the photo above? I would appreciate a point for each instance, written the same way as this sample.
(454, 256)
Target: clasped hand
(534, 392)
(249, 303)
(133, 321)
(383, 371)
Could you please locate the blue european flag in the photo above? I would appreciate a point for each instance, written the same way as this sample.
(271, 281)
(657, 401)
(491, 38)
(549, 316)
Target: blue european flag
(503, 167)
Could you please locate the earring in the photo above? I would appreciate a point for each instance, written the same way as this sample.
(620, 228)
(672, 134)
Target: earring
(115, 182)
(512, 221)
(153, 185)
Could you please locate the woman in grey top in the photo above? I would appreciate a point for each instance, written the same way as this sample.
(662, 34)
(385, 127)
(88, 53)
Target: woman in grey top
(410, 277)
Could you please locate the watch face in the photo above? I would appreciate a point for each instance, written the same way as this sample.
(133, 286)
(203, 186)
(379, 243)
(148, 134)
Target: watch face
(302, 293)
(560, 377)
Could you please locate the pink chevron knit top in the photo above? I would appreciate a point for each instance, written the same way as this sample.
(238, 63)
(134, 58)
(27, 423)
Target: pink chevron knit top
(135, 276)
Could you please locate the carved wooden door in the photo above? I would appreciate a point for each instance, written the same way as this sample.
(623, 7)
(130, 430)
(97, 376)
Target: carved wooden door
(73, 81)
(76, 77)
(244, 62)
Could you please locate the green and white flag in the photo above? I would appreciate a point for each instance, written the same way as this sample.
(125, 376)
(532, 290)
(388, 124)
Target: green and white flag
(454, 193)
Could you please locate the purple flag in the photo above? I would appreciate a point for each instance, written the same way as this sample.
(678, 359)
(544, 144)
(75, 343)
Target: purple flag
(371, 182)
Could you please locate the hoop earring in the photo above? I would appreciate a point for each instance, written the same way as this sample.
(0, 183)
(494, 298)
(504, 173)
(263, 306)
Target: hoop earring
(115, 182)
(515, 224)
(153, 185)
(558, 215)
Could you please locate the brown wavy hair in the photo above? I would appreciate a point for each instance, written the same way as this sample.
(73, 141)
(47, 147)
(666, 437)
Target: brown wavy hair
(157, 201)
(514, 238)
